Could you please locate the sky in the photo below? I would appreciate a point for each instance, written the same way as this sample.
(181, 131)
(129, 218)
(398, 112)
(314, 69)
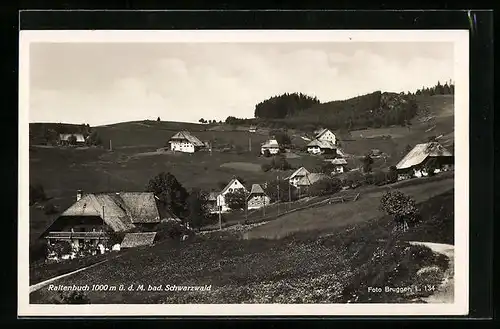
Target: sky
(103, 83)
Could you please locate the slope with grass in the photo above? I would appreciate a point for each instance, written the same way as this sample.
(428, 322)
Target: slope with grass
(325, 219)
(290, 270)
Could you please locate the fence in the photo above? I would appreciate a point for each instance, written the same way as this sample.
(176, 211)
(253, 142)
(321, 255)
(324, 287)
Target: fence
(274, 214)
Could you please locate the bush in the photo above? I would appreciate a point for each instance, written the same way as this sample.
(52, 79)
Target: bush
(236, 200)
(392, 175)
(399, 205)
(325, 186)
(353, 179)
(171, 230)
(379, 178)
(60, 248)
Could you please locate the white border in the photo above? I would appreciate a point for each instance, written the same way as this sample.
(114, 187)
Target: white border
(460, 38)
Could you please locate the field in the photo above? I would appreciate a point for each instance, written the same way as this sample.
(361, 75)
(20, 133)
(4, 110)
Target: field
(332, 217)
(290, 270)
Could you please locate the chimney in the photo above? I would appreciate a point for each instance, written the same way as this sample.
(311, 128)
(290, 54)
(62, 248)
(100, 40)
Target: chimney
(79, 194)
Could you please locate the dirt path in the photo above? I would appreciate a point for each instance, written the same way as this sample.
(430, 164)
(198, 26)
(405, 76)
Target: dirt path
(445, 292)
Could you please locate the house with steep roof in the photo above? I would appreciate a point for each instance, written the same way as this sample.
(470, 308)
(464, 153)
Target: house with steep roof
(94, 215)
(231, 187)
(271, 145)
(257, 197)
(310, 179)
(65, 139)
(184, 141)
(318, 146)
(415, 163)
(339, 165)
(326, 135)
(297, 175)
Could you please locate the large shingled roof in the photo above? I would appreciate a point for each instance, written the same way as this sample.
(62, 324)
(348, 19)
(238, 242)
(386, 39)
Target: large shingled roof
(186, 135)
(120, 210)
(322, 144)
(420, 152)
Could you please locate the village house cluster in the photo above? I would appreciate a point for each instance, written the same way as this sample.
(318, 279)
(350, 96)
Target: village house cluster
(87, 223)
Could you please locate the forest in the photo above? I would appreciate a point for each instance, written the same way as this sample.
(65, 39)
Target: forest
(374, 110)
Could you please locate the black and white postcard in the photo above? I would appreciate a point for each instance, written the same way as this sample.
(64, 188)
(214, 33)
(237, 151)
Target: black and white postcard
(243, 172)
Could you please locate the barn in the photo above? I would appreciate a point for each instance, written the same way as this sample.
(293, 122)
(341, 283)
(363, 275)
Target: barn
(417, 162)
(94, 215)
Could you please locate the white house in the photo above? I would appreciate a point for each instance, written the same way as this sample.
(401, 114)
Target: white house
(184, 141)
(233, 185)
(339, 165)
(252, 129)
(271, 145)
(65, 139)
(318, 146)
(327, 136)
(297, 175)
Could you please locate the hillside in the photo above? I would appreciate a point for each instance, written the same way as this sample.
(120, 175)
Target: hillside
(290, 270)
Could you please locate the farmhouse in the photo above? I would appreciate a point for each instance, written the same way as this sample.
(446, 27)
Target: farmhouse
(310, 179)
(321, 147)
(271, 145)
(252, 129)
(184, 141)
(233, 185)
(326, 135)
(297, 175)
(257, 197)
(416, 162)
(65, 139)
(93, 215)
(339, 165)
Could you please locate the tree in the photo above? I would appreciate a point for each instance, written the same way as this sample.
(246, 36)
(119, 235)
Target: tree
(279, 162)
(367, 164)
(158, 119)
(281, 137)
(166, 187)
(36, 194)
(94, 139)
(197, 208)
(72, 140)
(392, 175)
(401, 206)
(353, 179)
(236, 200)
(430, 166)
(286, 191)
(201, 120)
(325, 186)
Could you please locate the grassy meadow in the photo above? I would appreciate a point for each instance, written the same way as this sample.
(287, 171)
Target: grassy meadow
(288, 270)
